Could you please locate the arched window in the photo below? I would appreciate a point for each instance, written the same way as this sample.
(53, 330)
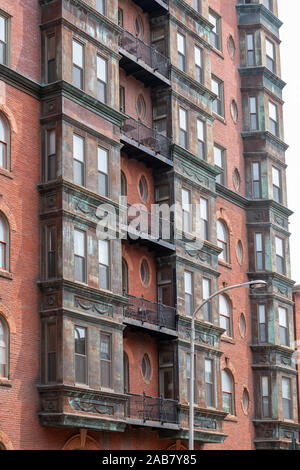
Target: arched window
(4, 337)
(223, 240)
(4, 243)
(227, 392)
(225, 314)
(4, 139)
(123, 184)
(124, 276)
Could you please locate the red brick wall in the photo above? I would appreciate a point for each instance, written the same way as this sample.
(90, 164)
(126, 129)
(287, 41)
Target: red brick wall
(24, 37)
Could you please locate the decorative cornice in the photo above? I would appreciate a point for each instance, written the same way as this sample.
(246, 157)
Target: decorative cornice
(262, 70)
(192, 83)
(268, 135)
(184, 153)
(194, 14)
(260, 8)
(22, 83)
(83, 99)
(92, 12)
(231, 196)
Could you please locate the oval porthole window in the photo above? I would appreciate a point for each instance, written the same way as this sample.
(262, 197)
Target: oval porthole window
(141, 107)
(146, 367)
(143, 188)
(242, 325)
(239, 252)
(139, 27)
(234, 111)
(231, 46)
(245, 401)
(236, 179)
(145, 272)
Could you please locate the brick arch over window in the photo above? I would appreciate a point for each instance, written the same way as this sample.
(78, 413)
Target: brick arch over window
(81, 441)
(6, 314)
(5, 210)
(8, 114)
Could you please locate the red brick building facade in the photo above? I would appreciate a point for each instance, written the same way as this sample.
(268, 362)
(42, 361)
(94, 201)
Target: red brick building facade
(163, 102)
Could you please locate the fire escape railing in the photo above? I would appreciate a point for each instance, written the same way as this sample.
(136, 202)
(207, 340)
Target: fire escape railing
(154, 313)
(147, 136)
(148, 54)
(146, 408)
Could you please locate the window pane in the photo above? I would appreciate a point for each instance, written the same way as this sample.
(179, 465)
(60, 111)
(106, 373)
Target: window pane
(276, 176)
(200, 129)
(79, 243)
(218, 157)
(101, 69)
(188, 282)
(258, 242)
(198, 56)
(102, 160)
(180, 43)
(279, 246)
(103, 277)
(2, 29)
(185, 199)
(270, 49)
(103, 250)
(77, 54)
(204, 208)
(78, 148)
(215, 86)
(80, 369)
(272, 111)
(250, 43)
(262, 313)
(252, 104)
(100, 5)
(182, 119)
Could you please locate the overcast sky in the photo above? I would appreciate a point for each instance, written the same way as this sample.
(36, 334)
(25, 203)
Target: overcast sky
(289, 13)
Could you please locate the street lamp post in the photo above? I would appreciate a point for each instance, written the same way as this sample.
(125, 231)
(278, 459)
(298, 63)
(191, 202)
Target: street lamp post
(192, 352)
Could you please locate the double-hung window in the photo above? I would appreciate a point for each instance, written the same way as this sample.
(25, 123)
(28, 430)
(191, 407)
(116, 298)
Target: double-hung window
(283, 326)
(104, 264)
(105, 360)
(270, 55)
(51, 58)
(280, 258)
(273, 118)
(201, 139)
(259, 252)
(102, 171)
(262, 323)
(253, 113)
(265, 397)
(287, 398)
(209, 383)
(3, 40)
(217, 88)
(102, 79)
(204, 218)
(225, 315)
(183, 135)
(219, 159)
(276, 180)
(206, 291)
(78, 64)
(80, 355)
(188, 376)
(51, 251)
(51, 155)
(250, 50)
(181, 51)
(256, 183)
(51, 348)
(199, 64)
(215, 34)
(80, 255)
(78, 159)
(186, 211)
(188, 290)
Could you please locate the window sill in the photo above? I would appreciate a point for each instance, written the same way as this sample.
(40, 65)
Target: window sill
(6, 173)
(231, 418)
(5, 382)
(223, 263)
(5, 274)
(218, 52)
(226, 339)
(220, 118)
